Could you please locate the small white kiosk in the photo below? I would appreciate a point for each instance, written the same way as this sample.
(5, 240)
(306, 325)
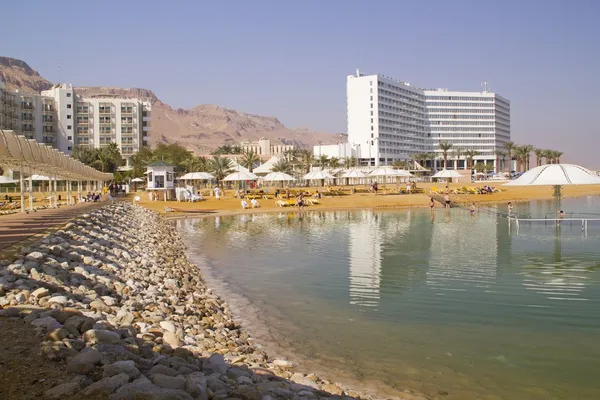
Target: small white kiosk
(160, 177)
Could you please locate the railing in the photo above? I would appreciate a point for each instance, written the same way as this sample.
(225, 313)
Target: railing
(555, 221)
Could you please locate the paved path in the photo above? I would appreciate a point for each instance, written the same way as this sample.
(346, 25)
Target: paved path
(15, 228)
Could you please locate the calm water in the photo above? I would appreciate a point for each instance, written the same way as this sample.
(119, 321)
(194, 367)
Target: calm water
(446, 304)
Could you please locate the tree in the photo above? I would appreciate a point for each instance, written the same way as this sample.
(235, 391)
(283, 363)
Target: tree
(500, 155)
(85, 154)
(445, 146)
(196, 164)
(487, 168)
(519, 153)
(527, 149)
(509, 148)
(305, 159)
(220, 167)
(539, 153)
(334, 162)
(249, 158)
(323, 161)
(429, 157)
(400, 164)
(456, 153)
(470, 154)
(284, 166)
(557, 155)
(350, 162)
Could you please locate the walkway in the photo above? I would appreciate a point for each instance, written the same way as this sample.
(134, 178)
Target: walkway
(15, 228)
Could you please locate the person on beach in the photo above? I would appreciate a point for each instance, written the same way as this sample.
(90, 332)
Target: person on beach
(431, 204)
(217, 193)
(510, 208)
(472, 208)
(300, 200)
(447, 200)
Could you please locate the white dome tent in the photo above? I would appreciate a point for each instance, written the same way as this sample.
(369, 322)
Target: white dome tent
(30, 157)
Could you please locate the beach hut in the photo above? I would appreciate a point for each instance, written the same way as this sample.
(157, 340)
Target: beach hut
(160, 177)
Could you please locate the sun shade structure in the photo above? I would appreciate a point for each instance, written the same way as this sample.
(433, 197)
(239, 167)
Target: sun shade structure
(353, 173)
(196, 176)
(240, 176)
(318, 175)
(278, 177)
(556, 175)
(447, 173)
(30, 157)
(388, 171)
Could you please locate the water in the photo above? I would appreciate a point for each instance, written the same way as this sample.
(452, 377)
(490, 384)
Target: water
(450, 305)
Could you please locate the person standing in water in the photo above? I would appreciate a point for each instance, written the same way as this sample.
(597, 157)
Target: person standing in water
(431, 204)
(447, 200)
(472, 208)
(510, 208)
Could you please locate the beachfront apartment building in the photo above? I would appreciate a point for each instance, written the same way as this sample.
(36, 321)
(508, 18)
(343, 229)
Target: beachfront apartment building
(265, 149)
(62, 119)
(391, 120)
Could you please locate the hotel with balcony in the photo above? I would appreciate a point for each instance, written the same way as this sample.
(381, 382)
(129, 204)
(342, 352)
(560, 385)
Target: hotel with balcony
(391, 120)
(60, 118)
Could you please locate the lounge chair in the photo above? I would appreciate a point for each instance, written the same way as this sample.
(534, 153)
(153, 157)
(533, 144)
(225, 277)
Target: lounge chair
(282, 203)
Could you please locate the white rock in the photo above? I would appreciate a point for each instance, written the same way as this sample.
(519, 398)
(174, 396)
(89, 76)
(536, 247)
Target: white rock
(168, 326)
(62, 300)
(40, 292)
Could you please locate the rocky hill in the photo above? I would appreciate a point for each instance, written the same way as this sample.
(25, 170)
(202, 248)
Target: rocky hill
(201, 128)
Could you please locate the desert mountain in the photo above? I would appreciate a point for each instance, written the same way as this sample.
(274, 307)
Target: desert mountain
(202, 128)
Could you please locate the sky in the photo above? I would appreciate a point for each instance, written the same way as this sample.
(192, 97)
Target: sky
(290, 59)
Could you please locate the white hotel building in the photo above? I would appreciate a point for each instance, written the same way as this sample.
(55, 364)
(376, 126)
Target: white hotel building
(60, 118)
(390, 120)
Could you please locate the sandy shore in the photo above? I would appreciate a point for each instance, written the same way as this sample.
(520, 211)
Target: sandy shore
(231, 205)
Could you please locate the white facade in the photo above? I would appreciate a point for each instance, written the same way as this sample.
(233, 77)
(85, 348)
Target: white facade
(264, 148)
(61, 119)
(160, 176)
(391, 120)
(340, 150)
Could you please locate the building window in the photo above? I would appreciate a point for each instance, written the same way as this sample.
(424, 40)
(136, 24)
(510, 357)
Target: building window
(68, 94)
(371, 127)
(371, 105)
(69, 127)
(70, 148)
(371, 113)
(69, 116)
(69, 137)
(68, 105)
(371, 83)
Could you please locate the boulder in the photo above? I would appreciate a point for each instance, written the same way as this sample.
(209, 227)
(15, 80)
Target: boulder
(106, 386)
(101, 336)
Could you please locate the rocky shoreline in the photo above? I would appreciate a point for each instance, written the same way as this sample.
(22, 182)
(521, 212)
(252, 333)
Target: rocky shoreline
(118, 304)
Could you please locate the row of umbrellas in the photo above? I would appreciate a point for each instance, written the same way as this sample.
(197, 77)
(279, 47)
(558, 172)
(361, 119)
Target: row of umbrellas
(18, 152)
(283, 177)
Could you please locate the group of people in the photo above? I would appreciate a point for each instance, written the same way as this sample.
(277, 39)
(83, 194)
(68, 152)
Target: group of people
(92, 197)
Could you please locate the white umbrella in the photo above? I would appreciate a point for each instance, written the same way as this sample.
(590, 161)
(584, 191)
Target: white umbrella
(267, 166)
(137, 180)
(240, 176)
(278, 177)
(39, 178)
(353, 173)
(200, 176)
(447, 173)
(556, 175)
(318, 175)
(5, 180)
(388, 171)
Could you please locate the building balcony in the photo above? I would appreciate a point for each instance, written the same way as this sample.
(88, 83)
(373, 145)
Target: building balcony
(26, 106)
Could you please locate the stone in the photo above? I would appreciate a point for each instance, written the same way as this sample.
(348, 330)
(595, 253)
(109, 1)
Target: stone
(100, 306)
(215, 364)
(56, 351)
(168, 326)
(101, 336)
(163, 370)
(20, 298)
(142, 388)
(244, 380)
(47, 323)
(80, 323)
(127, 367)
(109, 301)
(62, 300)
(40, 292)
(106, 386)
(88, 260)
(195, 385)
(36, 255)
(63, 390)
(246, 393)
(124, 318)
(172, 339)
(333, 389)
(85, 362)
(169, 382)
(57, 335)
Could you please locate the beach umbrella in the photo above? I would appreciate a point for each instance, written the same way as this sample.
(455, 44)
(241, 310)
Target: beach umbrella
(447, 173)
(318, 175)
(556, 175)
(199, 176)
(353, 173)
(138, 180)
(388, 171)
(240, 176)
(278, 177)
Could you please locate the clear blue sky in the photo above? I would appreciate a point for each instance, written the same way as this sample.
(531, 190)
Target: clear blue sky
(290, 59)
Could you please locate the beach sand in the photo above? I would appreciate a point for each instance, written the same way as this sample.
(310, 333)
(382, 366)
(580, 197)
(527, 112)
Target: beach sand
(231, 205)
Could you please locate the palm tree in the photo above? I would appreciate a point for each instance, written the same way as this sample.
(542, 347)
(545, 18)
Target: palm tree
(334, 162)
(500, 155)
(547, 154)
(527, 149)
(539, 153)
(306, 159)
(350, 162)
(470, 155)
(220, 167)
(456, 153)
(445, 146)
(249, 158)
(400, 164)
(196, 164)
(284, 166)
(429, 157)
(557, 155)
(509, 146)
(324, 161)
